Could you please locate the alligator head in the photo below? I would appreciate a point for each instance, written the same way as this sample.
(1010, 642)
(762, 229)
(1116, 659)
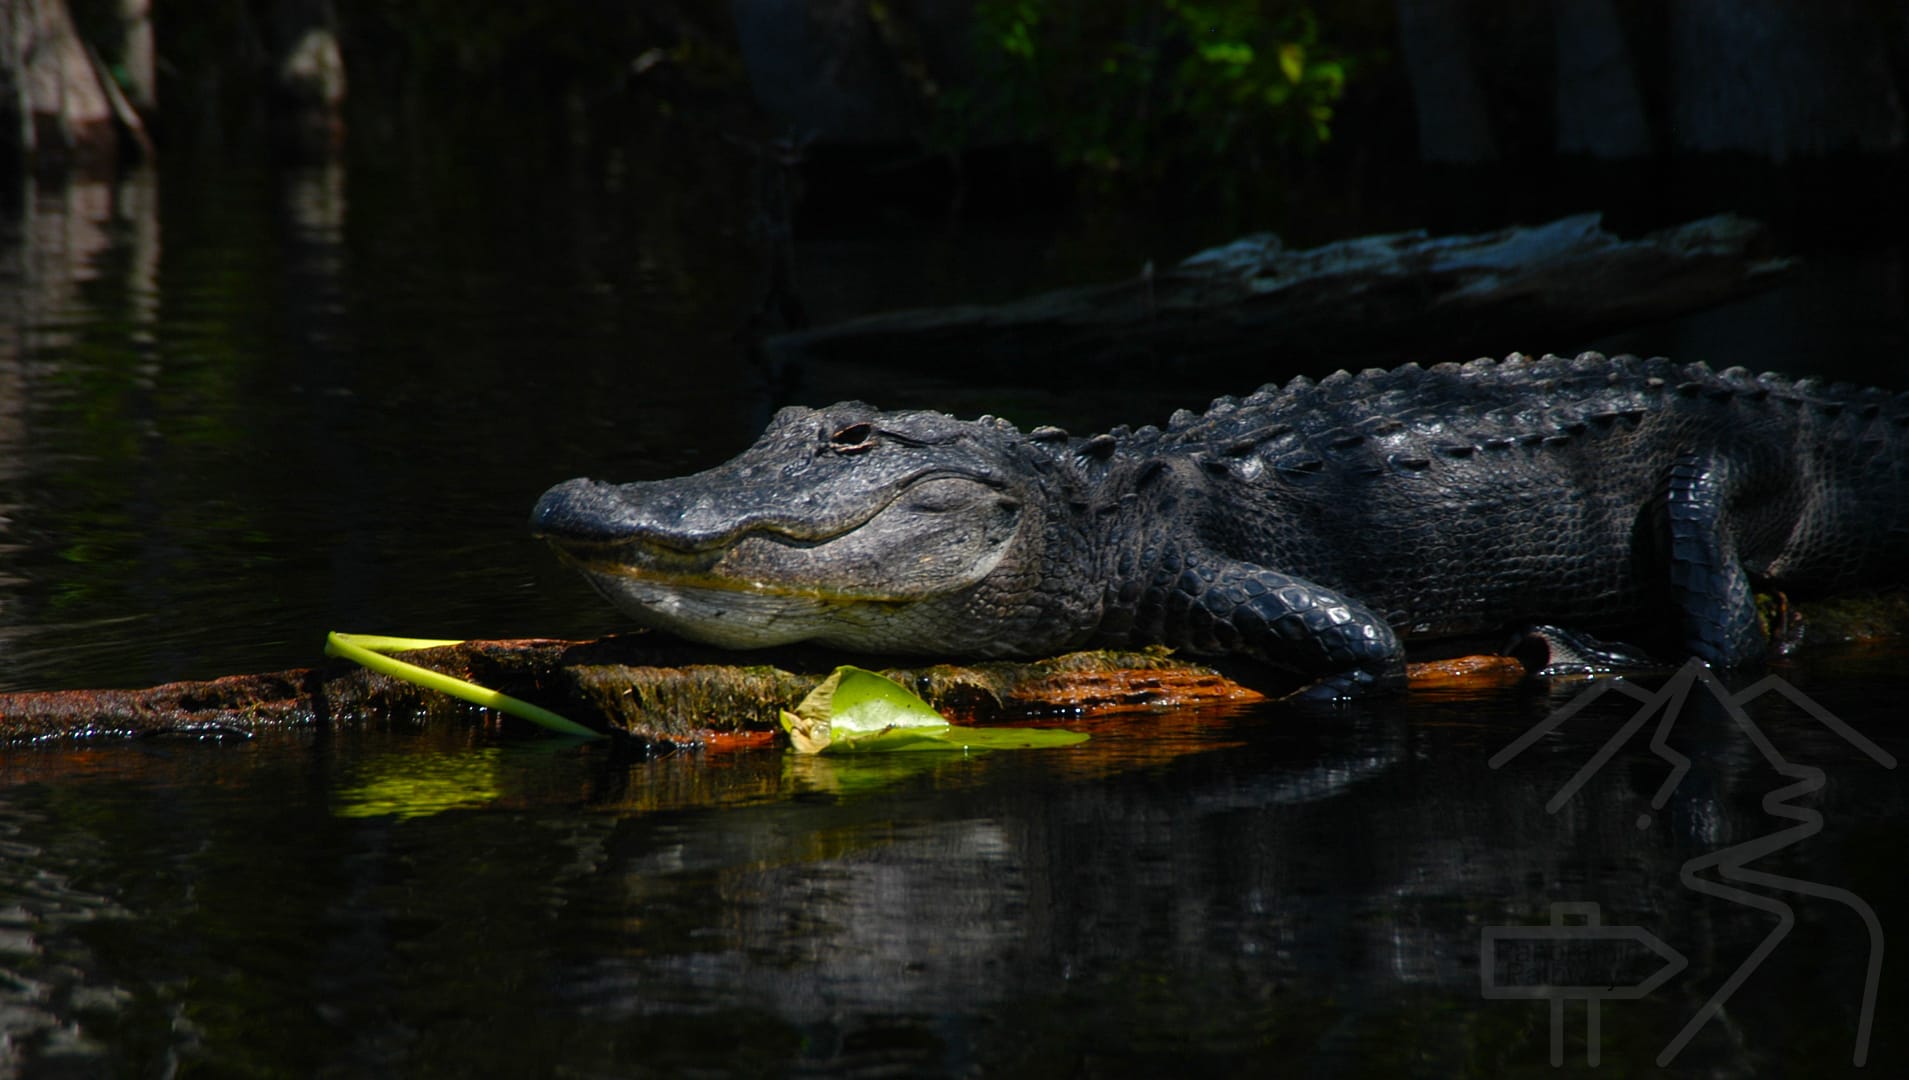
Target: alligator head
(852, 527)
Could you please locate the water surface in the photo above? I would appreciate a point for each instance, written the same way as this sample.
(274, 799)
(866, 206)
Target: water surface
(1225, 892)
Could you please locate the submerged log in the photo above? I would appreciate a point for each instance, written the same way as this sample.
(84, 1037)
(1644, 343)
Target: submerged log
(651, 689)
(1377, 297)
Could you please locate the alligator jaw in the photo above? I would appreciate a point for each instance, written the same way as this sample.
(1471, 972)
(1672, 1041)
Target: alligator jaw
(639, 566)
(686, 594)
(721, 615)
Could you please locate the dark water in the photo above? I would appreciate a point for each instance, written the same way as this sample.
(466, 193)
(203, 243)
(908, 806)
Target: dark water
(242, 406)
(1199, 893)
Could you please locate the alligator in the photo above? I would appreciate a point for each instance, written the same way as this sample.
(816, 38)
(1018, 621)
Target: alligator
(1311, 528)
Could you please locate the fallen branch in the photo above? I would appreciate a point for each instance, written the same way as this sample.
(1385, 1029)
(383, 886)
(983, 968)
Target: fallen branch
(1405, 294)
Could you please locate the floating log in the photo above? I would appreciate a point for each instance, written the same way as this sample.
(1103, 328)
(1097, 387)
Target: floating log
(1252, 304)
(637, 684)
(654, 690)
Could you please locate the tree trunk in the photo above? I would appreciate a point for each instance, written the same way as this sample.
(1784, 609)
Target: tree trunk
(53, 110)
(136, 56)
(821, 70)
(308, 73)
(1600, 113)
(1781, 79)
(1453, 125)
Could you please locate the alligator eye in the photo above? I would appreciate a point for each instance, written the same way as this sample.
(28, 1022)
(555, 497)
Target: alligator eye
(853, 439)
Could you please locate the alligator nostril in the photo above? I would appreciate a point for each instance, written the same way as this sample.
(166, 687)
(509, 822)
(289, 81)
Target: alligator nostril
(572, 508)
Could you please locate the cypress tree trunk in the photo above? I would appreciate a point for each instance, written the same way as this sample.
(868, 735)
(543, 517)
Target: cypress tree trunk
(1781, 79)
(308, 74)
(136, 55)
(1453, 125)
(53, 112)
(1600, 113)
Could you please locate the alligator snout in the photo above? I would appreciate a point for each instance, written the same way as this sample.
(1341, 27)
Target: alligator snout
(586, 511)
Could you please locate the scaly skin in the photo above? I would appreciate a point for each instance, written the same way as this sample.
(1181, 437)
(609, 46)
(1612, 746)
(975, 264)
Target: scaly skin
(1308, 527)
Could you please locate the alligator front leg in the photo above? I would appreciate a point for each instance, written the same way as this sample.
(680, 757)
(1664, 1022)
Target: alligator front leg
(1712, 593)
(1219, 607)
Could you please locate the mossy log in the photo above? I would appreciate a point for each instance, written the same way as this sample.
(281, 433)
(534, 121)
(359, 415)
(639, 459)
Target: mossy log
(654, 690)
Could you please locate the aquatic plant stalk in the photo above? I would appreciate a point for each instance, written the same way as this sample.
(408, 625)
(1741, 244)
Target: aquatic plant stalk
(370, 649)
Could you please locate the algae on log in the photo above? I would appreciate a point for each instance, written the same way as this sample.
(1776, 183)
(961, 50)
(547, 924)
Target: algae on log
(1256, 305)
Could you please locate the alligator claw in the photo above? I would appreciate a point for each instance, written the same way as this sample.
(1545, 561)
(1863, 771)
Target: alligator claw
(1344, 686)
(1548, 651)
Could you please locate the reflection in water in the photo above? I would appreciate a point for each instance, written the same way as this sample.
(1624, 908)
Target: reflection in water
(47, 977)
(1254, 889)
(57, 245)
(406, 786)
(292, 418)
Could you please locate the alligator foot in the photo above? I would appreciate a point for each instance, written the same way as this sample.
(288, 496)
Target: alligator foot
(1343, 686)
(1781, 622)
(1548, 651)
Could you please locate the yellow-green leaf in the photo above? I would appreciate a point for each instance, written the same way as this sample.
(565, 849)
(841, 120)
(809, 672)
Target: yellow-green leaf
(1292, 61)
(858, 711)
(853, 701)
(1236, 53)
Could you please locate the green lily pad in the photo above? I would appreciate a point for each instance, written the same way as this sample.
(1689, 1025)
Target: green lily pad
(858, 711)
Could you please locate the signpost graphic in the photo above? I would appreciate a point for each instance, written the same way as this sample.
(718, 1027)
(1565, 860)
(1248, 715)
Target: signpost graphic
(1587, 961)
(1549, 968)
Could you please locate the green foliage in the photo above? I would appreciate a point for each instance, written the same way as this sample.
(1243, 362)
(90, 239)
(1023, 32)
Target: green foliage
(1136, 86)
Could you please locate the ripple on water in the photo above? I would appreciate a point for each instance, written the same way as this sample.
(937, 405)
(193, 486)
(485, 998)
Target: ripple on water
(47, 978)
